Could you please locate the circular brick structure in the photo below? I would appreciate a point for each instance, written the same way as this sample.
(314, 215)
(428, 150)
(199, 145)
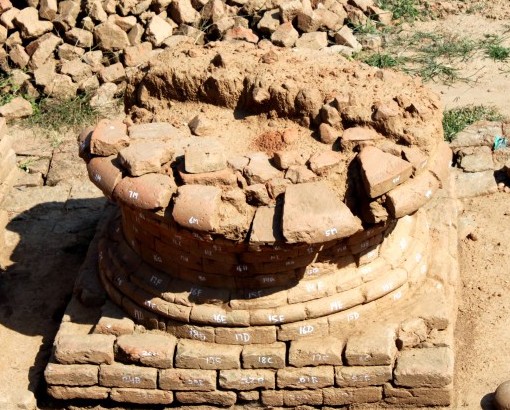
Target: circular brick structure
(227, 244)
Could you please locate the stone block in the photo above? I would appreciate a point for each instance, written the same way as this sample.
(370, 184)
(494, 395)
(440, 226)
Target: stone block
(138, 55)
(110, 37)
(285, 35)
(146, 349)
(316, 40)
(267, 226)
(114, 73)
(71, 374)
(431, 367)
(193, 354)
(264, 356)
(158, 30)
(154, 131)
(305, 377)
(272, 398)
(469, 184)
(314, 352)
(322, 162)
(187, 379)
(120, 375)
(374, 347)
(80, 37)
(84, 349)
(247, 379)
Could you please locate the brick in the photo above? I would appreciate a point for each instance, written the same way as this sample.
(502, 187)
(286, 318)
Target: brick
(374, 347)
(264, 356)
(197, 207)
(362, 376)
(283, 314)
(259, 170)
(321, 163)
(113, 322)
(253, 395)
(217, 397)
(105, 173)
(204, 155)
(219, 316)
(313, 352)
(419, 396)
(149, 191)
(312, 289)
(385, 284)
(368, 255)
(69, 393)
(120, 375)
(348, 396)
(373, 270)
(223, 177)
(141, 315)
(258, 298)
(141, 396)
(187, 379)
(147, 349)
(72, 374)
(144, 157)
(243, 336)
(184, 331)
(108, 138)
(381, 171)
(355, 135)
(341, 301)
(306, 328)
(84, 349)
(192, 354)
(440, 163)
(271, 398)
(298, 398)
(247, 379)
(431, 367)
(305, 377)
(313, 213)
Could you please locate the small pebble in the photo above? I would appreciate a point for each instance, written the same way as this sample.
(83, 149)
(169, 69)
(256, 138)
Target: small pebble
(502, 396)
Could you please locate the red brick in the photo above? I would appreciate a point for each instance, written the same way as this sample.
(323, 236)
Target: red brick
(143, 316)
(105, 173)
(264, 356)
(120, 375)
(258, 298)
(193, 354)
(149, 191)
(83, 349)
(71, 375)
(187, 379)
(313, 213)
(382, 172)
(146, 156)
(108, 138)
(217, 397)
(223, 177)
(146, 349)
(348, 396)
(267, 225)
(247, 379)
(313, 352)
(141, 396)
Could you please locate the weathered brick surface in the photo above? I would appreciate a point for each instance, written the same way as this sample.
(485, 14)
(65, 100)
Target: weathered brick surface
(246, 335)
(120, 375)
(302, 397)
(361, 376)
(187, 379)
(431, 367)
(218, 316)
(247, 379)
(93, 349)
(272, 398)
(72, 374)
(306, 328)
(192, 354)
(216, 397)
(345, 396)
(314, 352)
(374, 347)
(204, 155)
(149, 191)
(383, 285)
(146, 349)
(184, 331)
(334, 303)
(108, 138)
(305, 377)
(421, 396)
(270, 356)
(69, 393)
(253, 395)
(141, 396)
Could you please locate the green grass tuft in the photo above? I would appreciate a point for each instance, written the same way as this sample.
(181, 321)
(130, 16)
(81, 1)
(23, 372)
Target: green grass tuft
(456, 119)
(382, 60)
(404, 10)
(497, 52)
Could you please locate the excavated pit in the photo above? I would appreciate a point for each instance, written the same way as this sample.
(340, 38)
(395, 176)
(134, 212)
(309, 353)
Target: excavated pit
(284, 235)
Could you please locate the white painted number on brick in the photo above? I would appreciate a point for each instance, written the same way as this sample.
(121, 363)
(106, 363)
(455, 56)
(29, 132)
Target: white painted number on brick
(306, 330)
(265, 360)
(352, 316)
(133, 194)
(331, 231)
(219, 318)
(131, 379)
(242, 337)
(213, 360)
(308, 379)
(319, 357)
(157, 258)
(195, 334)
(276, 318)
(192, 220)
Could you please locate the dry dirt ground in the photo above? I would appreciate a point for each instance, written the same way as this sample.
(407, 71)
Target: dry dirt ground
(51, 227)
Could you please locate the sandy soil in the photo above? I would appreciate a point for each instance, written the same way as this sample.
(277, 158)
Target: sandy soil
(35, 288)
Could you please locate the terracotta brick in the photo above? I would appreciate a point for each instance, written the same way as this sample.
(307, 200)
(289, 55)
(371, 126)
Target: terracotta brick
(267, 225)
(141, 396)
(258, 298)
(339, 322)
(259, 170)
(113, 321)
(105, 173)
(374, 347)
(154, 131)
(187, 379)
(246, 335)
(147, 349)
(366, 244)
(385, 284)
(421, 396)
(348, 396)
(71, 375)
(312, 289)
(302, 397)
(374, 270)
(271, 398)
(253, 395)
(314, 352)
(381, 171)
(216, 315)
(108, 138)
(367, 233)
(313, 213)
(184, 331)
(341, 301)
(84, 349)
(362, 376)
(193, 354)
(204, 155)
(224, 177)
(288, 278)
(368, 255)
(397, 242)
(149, 191)
(146, 156)
(424, 367)
(264, 356)
(216, 397)
(197, 207)
(143, 316)
(412, 195)
(305, 377)
(283, 314)
(305, 328)
(69, 393)
(247, 379)
(440, 163)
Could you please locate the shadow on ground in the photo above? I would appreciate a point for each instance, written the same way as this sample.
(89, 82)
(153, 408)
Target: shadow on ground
(52, 240)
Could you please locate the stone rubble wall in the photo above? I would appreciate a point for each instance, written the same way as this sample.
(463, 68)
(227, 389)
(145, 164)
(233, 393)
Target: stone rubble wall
(65, 48)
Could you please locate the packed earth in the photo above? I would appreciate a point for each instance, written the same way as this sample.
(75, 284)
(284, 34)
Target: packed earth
(215, 78)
